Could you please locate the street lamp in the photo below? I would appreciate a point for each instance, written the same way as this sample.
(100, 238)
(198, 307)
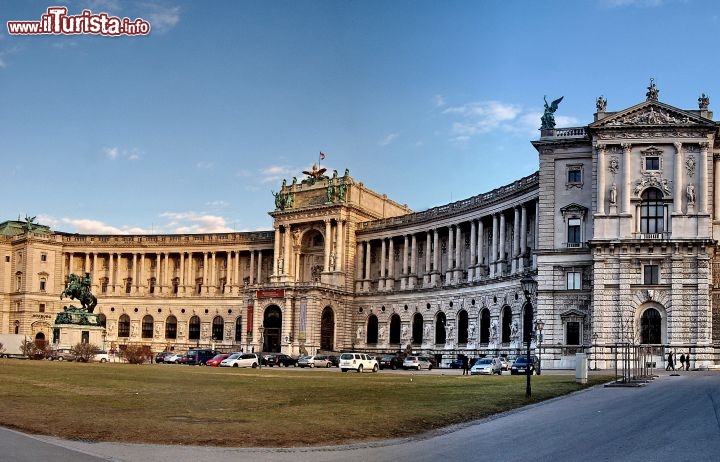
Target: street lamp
(539, 324)
(594, 349)
(529, 287)
(261, 330)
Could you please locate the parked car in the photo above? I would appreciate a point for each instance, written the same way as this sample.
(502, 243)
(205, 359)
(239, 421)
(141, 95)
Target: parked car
(101, 357)
(521, 364)
(216, 360)
(390, 362)
(281, 359)
(358, 361)
(487, 366)
(505, 362)
(314, 361)
(160, 357)
(417, 363)
(62, 354)
(183, 359)
(198, 356)
(334, 360)
(172, 358)
(241, 360)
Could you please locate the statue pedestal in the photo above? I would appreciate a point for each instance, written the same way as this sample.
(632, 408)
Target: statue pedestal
(613, 209)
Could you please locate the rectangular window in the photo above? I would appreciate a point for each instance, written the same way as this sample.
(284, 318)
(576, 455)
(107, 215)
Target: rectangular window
(42, 285)
(573, 231)
(652, 163)
(574, 175)
(43, 257)
(574, 282)
(573, 333)
(651, 275)
(41, 308)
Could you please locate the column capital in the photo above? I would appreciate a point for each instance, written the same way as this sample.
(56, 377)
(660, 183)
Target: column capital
(626, 147)
(678, 147)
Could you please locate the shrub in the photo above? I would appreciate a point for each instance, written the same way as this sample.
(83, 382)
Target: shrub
(84, 351)
(135, 354)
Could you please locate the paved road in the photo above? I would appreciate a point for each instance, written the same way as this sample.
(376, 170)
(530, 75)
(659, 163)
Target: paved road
(672, 418)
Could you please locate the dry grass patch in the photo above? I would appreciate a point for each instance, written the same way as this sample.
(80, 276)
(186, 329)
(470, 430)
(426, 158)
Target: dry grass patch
(230, 407)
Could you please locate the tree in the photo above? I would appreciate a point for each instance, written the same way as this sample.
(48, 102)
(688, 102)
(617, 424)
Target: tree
(136, 354)
(84, 351)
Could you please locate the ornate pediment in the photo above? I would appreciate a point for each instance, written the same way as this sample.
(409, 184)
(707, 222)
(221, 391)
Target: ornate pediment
(574, 208)
(651, 113)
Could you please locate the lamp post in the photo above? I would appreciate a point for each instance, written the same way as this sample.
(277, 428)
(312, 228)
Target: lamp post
(529, 286)
(539, 324)
(594, 349)
(261, 330)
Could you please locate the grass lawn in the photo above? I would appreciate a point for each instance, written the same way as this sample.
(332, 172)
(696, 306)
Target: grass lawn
(170, 404)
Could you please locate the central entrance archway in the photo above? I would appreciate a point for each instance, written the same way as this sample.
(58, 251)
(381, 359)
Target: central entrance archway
(272, 321)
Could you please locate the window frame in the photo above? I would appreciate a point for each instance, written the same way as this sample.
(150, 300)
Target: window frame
(651, 274)
(576, 280)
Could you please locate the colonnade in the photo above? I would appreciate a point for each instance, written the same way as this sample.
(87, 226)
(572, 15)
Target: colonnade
(288, 246)
(182, 272)
(467, 251)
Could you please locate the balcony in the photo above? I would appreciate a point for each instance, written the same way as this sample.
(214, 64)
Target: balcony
(564, 133)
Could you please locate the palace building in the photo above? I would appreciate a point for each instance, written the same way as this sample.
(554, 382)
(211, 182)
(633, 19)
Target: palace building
(619, 228)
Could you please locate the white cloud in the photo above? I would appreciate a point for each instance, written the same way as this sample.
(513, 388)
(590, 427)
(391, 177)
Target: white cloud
(192, 222)
(388, 139)
(218, 204)
(205, 164)
(160, 17)
(2, 63)
(275, 173)
(115, 153)
(86, 226)
(439, 100)
(640, 3)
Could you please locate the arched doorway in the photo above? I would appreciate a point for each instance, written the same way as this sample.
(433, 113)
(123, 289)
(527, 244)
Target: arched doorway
(372, 329)
(462, 327)
(40, 341)
(506, 324)
(327, 329)
(272, 321)
(440, 322)
(417, 329)
(651, 327)
(395, 329)
(485, 326)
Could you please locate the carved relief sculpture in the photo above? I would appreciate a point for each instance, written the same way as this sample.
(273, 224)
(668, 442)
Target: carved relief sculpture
(613, 194)
(690, 165)
(614, 165)
(690, 191)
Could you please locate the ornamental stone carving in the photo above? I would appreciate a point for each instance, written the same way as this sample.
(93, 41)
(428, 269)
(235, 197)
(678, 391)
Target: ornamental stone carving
(690, 164)
(614, 165)
(652, 180)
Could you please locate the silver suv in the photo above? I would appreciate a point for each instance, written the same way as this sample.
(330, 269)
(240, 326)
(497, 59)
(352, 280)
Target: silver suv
(358, 362)
(417, 363)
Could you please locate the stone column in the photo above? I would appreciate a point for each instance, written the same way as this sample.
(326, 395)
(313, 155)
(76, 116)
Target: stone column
(627, 180)
(406, 250)
(493, 257)
(450, 255)
(205, 281)
(436, 257)
(413, 261)
(252, 267)
(516, 239)
(428, 251)
(716, 187)
(111, 273)
(601, 189)
(182, 275)
(276, 252)
(259, 267)
(214, 283)
(390, 283)
(135, 273)
(523, 237)
(458, 248)
(339, 249)
(473, 251)
(702, 179)
(360, 260)
(290, 268)
(326, 264)
(86, 264)
(678, 179)
(383, 250)
(480, 245)
(367, 259)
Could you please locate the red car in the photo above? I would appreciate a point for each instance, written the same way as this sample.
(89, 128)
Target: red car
(215, 360)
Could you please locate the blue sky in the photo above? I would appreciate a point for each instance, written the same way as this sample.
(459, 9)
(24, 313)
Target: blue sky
(189, 128)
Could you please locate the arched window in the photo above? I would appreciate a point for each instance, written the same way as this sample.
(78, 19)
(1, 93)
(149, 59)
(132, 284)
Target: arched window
(124, 326)
(506, 324)
(485, 326)
(147, 326)
(440, 333)
(171, 328)
(417, 329)
(327, 329)
(650, 327)
(652, 212)
(462, 327)
(217, 328)
(194, 328)
(238, 329)
(372, 329)
(395, 329)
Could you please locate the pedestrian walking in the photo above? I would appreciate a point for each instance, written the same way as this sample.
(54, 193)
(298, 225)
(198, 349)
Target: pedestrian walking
(682, 361)
(687, 362)
(466, 365)
(670, 364)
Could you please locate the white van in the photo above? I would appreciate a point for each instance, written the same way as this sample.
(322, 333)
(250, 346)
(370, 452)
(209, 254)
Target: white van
(358, 362)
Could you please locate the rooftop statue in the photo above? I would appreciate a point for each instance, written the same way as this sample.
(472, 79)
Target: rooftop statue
(315, 174)
(548, 118)
(652, 93)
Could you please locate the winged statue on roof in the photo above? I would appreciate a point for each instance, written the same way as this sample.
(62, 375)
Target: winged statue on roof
(548, 118)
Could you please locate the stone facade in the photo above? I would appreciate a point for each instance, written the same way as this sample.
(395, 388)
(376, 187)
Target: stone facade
(617, 226)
